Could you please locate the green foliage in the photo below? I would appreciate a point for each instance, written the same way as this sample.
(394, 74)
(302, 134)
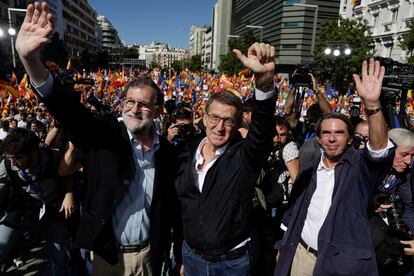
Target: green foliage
(229, 63)
(193, 63)
(177, 65)
(408, 43)
(154, 64)
(130, 52)
(345, 32)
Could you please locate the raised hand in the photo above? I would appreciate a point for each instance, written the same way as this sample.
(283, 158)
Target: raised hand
(35, 31)
(261, 60)
(369, 88)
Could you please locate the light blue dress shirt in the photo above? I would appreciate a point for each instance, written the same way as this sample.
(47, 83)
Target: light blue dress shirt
(131, 221)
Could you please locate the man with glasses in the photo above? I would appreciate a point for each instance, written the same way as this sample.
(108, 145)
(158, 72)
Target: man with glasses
(217, 176)
(129, 203)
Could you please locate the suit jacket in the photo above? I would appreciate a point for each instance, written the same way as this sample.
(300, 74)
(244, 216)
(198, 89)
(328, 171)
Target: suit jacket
(110, 168)
(344, 241)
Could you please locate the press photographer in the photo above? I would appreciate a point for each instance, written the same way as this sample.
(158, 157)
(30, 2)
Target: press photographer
(393, 218)
(182, 130)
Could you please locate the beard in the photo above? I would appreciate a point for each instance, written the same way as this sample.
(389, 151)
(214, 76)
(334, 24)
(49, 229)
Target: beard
(137, 123)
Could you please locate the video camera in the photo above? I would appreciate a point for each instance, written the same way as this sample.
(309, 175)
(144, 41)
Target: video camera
(398, 79)
(301, 75)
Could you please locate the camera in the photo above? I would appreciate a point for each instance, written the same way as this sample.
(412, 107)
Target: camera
(357, 140)
(301, 76)
(396, 226)
(397, 75)
(355, 110)
(185, 132)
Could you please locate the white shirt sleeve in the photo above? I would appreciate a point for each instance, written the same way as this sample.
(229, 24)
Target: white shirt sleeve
(261, 96)
(378, 154)
(46, 88)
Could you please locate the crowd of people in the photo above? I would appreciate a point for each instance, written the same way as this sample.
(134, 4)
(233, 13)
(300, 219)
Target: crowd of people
(192, 174)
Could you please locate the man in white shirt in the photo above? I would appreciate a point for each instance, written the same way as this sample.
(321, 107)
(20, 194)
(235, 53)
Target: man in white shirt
(216, 177)
(327, 231)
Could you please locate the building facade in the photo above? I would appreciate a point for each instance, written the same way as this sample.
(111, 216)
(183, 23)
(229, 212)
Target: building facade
(207, 50)
(388, 20)
(292, 26)
(80, 27)
(222, 13)
(196, 39)
(162, 54)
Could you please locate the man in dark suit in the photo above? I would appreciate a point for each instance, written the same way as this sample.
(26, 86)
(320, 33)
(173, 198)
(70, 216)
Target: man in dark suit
(129, 202)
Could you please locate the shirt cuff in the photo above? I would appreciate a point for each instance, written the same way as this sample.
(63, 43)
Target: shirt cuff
(45, 88)
(283, 227)
(378, 154)
(261, 96)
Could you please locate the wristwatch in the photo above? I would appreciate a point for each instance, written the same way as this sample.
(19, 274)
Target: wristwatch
(370, 112)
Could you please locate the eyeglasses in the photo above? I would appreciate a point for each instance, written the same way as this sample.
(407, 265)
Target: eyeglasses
(214, 119)
(130, 103)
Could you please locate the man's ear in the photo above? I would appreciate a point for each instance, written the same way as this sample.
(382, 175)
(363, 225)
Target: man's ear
(205, 119)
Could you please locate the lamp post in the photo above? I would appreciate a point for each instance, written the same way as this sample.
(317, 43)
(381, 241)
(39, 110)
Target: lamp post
(12, 31)
(257, 27)
(315, 21)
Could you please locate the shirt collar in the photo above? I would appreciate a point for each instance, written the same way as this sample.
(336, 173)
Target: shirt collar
(322, 166)
(155, 138)
(218, 151)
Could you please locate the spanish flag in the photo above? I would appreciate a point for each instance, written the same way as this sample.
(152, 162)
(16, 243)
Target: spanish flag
(69, 65)
(9, 88)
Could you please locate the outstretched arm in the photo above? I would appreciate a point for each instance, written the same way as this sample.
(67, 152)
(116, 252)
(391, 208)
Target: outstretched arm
(369, 89)
(34, 33)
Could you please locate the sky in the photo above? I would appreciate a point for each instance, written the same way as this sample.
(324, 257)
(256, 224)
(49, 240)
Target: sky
(144, 21)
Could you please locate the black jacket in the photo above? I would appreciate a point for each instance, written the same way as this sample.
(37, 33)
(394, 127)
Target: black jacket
(218, 219)
(110, 167)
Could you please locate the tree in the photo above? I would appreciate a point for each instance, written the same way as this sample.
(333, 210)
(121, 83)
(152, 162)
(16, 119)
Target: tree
(102, 59)
(193, 63)
(177, 65)
(229, 63)
(344, 32)
(87, 60)
(407, 43)
(154, 64)
(130, 52)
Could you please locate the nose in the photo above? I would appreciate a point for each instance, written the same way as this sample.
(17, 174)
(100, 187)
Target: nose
(220, 124)
(332, 137)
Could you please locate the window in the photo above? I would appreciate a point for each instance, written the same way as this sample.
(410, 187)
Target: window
(375, 19)
(289, 46)
(289, 2)
(292, 24)
(394, 15)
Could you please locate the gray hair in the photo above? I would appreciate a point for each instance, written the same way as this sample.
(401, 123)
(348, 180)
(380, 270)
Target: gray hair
(402, 137)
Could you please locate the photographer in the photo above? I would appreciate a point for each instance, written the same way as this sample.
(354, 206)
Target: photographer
(393, 205)
(182, 130)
